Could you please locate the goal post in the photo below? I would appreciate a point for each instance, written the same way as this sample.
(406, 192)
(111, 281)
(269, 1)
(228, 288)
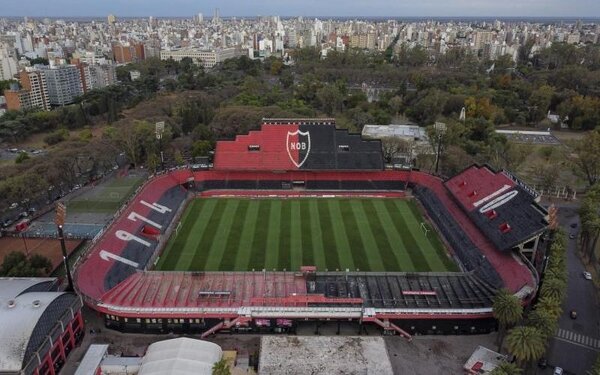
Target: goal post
(177, 228)
(424, 228)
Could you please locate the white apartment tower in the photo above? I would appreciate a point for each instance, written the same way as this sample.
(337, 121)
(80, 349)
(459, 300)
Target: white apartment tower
(64, 83)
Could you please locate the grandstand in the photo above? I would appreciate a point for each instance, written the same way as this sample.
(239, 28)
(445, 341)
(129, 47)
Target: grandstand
(116, 276)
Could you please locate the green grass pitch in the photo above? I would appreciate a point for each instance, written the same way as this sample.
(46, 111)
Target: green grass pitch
(218, 234)
(106, 198)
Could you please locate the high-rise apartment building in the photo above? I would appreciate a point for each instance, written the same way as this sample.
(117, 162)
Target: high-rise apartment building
(33, 94)
(8, 63)
(124, 53)
(64, 83)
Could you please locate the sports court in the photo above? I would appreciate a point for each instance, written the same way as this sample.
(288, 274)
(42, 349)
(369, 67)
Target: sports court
(226, 234)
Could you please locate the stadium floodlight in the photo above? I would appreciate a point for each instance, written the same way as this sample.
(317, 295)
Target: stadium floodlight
(159, 129)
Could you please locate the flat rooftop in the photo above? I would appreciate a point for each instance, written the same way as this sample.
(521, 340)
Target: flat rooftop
(323, 355)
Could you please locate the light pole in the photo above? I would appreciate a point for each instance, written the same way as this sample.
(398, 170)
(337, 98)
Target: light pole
(59, 220)
(160, 129)
(440, 130)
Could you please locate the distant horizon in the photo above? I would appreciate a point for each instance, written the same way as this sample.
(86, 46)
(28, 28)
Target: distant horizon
(305, 8)
(209, 17)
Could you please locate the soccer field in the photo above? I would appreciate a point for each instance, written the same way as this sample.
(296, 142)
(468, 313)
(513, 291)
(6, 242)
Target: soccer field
(218, 234)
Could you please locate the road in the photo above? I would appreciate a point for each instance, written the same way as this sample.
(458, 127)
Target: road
(577, 342)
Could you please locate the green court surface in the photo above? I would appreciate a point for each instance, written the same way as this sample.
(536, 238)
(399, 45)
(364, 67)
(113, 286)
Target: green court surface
(218, 234)
(107, 197)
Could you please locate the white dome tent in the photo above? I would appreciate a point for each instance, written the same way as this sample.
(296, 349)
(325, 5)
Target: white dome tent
(181, 356)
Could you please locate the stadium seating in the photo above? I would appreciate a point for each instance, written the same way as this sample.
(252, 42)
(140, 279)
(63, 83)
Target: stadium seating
(324, 148)
(458, 290)
(468, 254)
(514, 215)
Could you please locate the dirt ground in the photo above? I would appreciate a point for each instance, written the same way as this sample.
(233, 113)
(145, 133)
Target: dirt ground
(50, 248)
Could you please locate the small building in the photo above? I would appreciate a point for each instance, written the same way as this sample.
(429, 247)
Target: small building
(401, 143)
(39, 326)
(181, 356)
(483, 361)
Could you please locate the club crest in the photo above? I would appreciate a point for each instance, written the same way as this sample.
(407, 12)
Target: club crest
(298, 147)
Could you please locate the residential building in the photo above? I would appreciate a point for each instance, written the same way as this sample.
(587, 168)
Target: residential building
(64, 83)
(208, 59)
(32, 94)
(124, 53)
(8, 64)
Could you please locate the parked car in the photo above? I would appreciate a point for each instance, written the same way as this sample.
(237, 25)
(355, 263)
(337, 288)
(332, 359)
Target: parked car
(587, 275)
(558, 371)
(573, 314)
(6, 223)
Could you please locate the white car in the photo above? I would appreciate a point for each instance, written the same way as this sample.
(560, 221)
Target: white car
(558, 371)
(587, 275)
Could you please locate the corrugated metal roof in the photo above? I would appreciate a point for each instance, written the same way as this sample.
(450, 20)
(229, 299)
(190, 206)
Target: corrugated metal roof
(18, 319)
(92, 359)
(11, 287)
(400, 131)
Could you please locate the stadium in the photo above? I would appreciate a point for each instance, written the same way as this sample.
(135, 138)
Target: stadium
(301, 222)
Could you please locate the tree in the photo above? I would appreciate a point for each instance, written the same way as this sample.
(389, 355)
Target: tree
(202, 148)
(506, 368)
(330, 99)
(526, 344)
(539, 101)
(21, 157)
(395, 104)
(393, 147)
(554, 288)
(507, 310)
(586, 159)
(16, 264)
(544, 321)
(596, 368)
(590, 220)
(221, 368)
(551, 306)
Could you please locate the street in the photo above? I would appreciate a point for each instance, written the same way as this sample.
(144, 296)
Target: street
(577, 342)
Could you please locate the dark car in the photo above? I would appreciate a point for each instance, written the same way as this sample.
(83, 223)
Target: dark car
(574, 225)
(542, 363)
(573, 314)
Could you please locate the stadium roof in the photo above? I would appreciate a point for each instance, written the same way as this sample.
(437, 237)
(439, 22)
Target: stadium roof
(502, 207)
(181, 356)
(26, 317)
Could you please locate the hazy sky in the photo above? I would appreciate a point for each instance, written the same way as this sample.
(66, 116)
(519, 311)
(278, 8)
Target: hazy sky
(387, 8)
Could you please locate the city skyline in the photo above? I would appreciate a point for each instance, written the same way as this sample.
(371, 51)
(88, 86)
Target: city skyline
(374, 8)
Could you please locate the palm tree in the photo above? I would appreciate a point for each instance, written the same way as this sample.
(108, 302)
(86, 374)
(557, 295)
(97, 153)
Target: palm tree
(596, 368)
(508, 311)
(506, 368)
(526, 343)
(544, 321)
(221, 368)
(550, 305)
(554, 288)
